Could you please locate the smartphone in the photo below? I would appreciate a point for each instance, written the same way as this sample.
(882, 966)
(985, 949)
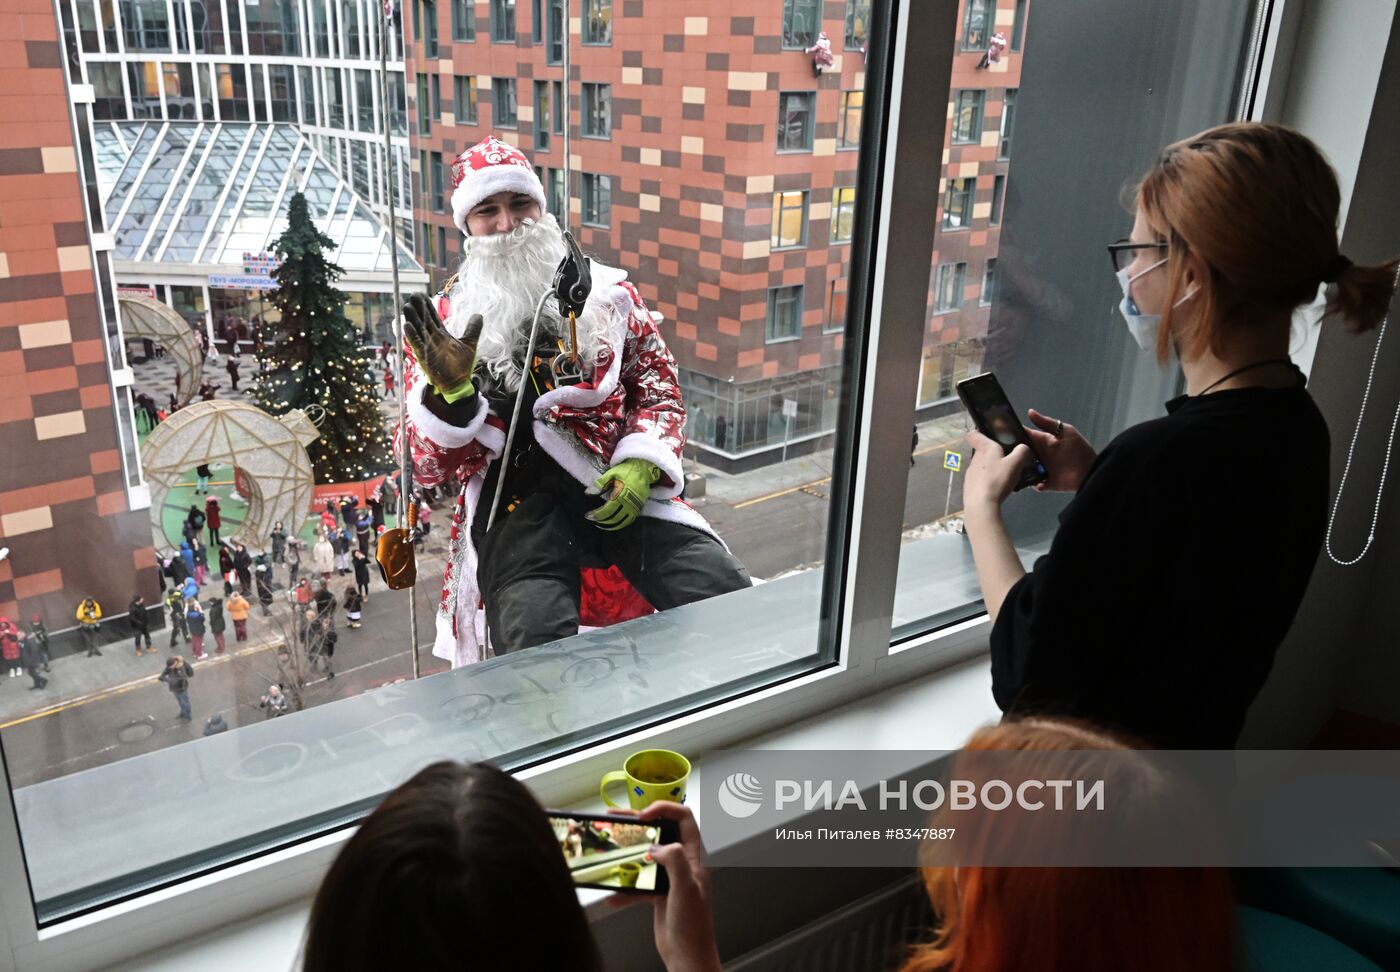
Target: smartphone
(994, 417)
(611, 851)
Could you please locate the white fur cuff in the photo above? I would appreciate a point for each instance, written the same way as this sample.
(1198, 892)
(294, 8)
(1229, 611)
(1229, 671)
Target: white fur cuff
(639, 445)
(442, 434)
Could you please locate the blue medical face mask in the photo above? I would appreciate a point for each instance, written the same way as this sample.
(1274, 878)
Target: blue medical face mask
(1143, 327)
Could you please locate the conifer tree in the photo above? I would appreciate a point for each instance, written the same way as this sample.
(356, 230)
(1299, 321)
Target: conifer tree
(313, 357)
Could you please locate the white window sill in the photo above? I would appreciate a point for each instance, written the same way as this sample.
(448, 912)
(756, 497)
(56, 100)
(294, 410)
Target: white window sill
(937, 712)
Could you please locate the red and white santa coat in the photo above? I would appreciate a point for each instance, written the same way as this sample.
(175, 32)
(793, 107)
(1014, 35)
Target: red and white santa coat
(631, 408)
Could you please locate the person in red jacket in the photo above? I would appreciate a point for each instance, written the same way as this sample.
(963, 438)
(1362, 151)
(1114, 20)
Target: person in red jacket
(213, 520)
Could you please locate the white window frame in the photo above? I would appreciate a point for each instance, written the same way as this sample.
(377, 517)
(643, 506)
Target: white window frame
(866, 660)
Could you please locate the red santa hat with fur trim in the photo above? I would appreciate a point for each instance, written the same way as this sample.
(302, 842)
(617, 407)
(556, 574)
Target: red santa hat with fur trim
(488, 167)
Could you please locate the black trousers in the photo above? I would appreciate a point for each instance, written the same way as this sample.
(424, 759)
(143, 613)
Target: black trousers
(528, 567)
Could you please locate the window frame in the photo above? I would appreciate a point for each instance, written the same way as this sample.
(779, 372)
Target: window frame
(968, 194)
(979, 116)
(586, 195)
(811, 99)
(896, 243)
(780, 209)
(989, 18)
(467, 83)
(770, 335)
(498, 85)
(588, 93)
(588, 37)
(988, 295)
(838, 203)
(791, 9)
(998, 199)
(503, 27)
(844, 110)
(1006, 128)
(463, 21)
(957, 269)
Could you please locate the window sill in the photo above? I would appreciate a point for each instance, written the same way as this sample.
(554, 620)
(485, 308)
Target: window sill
(783, 340)
(938, 712)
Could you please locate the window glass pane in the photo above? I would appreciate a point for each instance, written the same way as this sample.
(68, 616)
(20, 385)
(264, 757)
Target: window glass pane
(857, 24)
(801, 21)
(996, 312)
(597, 21)
(751, 344)
(146, 25)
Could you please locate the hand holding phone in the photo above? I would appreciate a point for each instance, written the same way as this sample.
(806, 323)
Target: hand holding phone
(994, 417)
(613, 851)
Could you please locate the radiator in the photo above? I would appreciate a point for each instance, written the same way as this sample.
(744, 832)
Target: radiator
(871, 934)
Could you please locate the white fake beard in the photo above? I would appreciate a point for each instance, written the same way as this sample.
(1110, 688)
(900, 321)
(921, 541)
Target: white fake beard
(502, 277)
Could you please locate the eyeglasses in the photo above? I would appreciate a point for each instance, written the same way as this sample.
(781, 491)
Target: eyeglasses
(1124, 252)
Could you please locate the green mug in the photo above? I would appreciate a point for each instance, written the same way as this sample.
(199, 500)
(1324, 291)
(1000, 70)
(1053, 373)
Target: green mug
(650, 775)
(628, 872)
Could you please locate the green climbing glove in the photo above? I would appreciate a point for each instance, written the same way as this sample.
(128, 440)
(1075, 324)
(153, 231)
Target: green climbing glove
(630, 481)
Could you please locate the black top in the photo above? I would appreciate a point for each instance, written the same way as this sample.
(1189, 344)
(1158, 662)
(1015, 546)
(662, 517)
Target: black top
(1175, 573)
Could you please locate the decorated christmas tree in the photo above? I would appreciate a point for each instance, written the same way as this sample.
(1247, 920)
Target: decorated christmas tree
(313, 360)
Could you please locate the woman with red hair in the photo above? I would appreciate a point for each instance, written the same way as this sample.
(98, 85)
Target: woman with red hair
(1074, 918)
(1178, 566)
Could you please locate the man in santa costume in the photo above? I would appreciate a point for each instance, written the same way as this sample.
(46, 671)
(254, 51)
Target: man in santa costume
(589, 527)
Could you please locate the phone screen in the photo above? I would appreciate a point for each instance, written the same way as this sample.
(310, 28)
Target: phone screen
(991, 411)
(611, 851)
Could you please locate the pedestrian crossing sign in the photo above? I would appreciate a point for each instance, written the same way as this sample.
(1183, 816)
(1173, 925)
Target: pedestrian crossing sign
(952, 461)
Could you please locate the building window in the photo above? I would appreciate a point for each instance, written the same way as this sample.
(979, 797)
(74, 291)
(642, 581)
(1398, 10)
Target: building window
(784, 321)
(795, 121)
(554, 39)
(438, 191)
(464, 99)
(1008, 118)
(464, 20)
(145, 23)
(430, 32)
(443, 258)
(848, 119)
(977, 24)
(957, 204)
(597, 199)
(425, 123)
(835, 306)
(597, 110)
(536, 22)
(233, 92)
(435, 96)
(553, 180)
(948, 283)
(503, 21)
(426, 235)
(967, 114)
(335, 100)
(789, 219)
(998, 195)
(560, 109)
(542, 116)
(597, 21)
(989, 282)
(800, 23)
(398, 104)
(857, 24)
(843, 214)
(1018, 26)
(504, 109)
(106, 80)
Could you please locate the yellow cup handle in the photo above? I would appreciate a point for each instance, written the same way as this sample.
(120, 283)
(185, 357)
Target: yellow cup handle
(616, 776)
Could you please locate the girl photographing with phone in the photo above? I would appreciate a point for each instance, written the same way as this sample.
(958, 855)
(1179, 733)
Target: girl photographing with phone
(1178, 566)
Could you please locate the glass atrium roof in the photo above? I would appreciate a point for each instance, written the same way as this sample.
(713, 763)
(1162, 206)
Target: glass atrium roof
(207, 192)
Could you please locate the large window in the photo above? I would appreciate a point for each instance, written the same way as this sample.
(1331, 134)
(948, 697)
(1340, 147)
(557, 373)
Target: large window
(425, 112)
(857, 24)
(597, 199)
(542, 116)
(957, 204)
(274, 27)
(463, 20)
(776, 388)
(1008, 119)
(1018, 26)
(968, 106)
(978, 17)
(784, 319)
(789, 219)
(949, 281)
(437, 190)
(597, 21)
(464, 99)
(801, 21)
(431, 49)
(504, 106)
(848, 119)
(503, 21)
(597, 110)
(843, 214)
(554, 33)
(795, 121)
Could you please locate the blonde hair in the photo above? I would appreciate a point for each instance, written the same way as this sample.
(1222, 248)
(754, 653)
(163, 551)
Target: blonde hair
(1258, 204)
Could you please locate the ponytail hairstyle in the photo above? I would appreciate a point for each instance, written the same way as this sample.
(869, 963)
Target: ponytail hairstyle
(1258, 205)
